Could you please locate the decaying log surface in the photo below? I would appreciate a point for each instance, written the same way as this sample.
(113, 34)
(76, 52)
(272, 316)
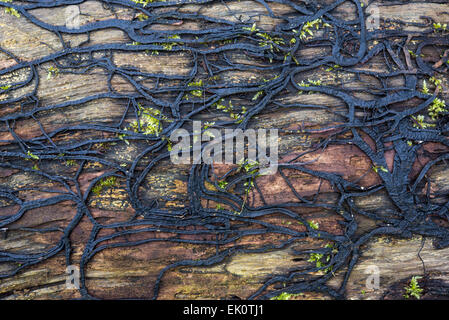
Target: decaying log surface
(129, 272)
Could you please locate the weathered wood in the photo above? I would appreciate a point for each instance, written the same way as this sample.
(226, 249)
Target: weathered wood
(131, 272)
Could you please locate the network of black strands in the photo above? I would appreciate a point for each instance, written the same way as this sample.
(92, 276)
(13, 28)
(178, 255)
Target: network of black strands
(386, 123)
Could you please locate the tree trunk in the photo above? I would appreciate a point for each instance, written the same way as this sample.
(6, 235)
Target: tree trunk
(131, 271)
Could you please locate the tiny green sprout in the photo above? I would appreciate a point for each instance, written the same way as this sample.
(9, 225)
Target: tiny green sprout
(381, 168)
(252, 29)
(208, 124)
(198, 92)
(306, 31)
(318, 259)
(269, 41)
(135, 43)
(142, 17)
(219, 207)
(285, 296)
(249, 166)
(322, 260)
(32, 156)
(436, 108)
(222, 184)
(413, 288)
(142, 2)
(363, 292)
(219, 105)
(169, 45)
(52, 71)
(169, 143)
(418, 122)
(35, 167)
(315, 83)
(237, 116)
(257, 95)
(436, 82)
(209, 134)
(439, 27)
(293, 58)
(249, 184)
(414, 55)
(409, 143)
(122, 136)
(425, 89)
(4, 88)
(334, 67)
(314, 225)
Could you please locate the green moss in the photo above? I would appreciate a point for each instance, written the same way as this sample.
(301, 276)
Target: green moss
(322, 260)
(148, 120)
(169, 45)
(237, 116)
(12, 12)
(314, 225)
(144, 3)
(104, 183)
(70, 163)
(197, 92)
(285, 296)
(269, 41)
(52, 71)
(142, 17)
(307, 84)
